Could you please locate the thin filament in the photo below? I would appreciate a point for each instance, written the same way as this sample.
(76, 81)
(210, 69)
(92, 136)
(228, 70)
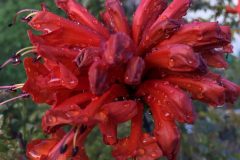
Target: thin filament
(13, 87)
(15, 98)
(24, 49)
(23, 11)
(75, 137)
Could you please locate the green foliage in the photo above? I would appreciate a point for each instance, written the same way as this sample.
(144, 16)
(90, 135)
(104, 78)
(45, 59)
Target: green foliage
(215, 136)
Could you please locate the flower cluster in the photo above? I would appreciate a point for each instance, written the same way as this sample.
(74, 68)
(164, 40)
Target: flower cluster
(101, 74)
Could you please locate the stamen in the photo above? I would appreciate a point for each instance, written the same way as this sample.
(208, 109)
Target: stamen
(23, 11)
(30, 51)
(24, 95)
(15, 59)
(75, 136)
(31, 15)
(13, 87)
(24, 49)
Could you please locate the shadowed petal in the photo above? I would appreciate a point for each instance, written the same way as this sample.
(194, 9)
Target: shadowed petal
(118, 49)
(215, 59)
(134, 72)
(98, 75)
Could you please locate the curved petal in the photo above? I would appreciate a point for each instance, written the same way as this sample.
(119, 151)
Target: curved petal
(118, 19)
(120, 111)
(80, 14)
(177, 57)
(201, 88)
(64, 29)
(176, 10)
(178, 106)
(199, 35)
(157, 33)
(145, 15)
(215, 59)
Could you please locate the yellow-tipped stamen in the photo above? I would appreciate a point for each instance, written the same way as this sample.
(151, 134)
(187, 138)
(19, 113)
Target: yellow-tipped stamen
(24, 49)
(13, 87)
(15, 98)
(75, 136)
(31, 15)
(27, 52)
(23, 11)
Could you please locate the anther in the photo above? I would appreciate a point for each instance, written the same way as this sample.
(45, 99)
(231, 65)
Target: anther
(12, 87)
(63, 148)
(15, 59)
(33, 12)
(75, 151)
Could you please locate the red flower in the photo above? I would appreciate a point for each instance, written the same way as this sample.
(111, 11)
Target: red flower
(233, 10)
(100, 75)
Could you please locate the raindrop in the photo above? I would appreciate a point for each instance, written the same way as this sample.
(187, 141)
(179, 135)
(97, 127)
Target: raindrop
(167, 114)
(52, 119)
(171, 63)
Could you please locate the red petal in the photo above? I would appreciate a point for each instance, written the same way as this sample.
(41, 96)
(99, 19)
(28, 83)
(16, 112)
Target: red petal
(114, 92)
(215, 59)
(199, 35)
(118, 20)
(56, 117)
(78, 13)
(121, 111)
(201, 88)
(176, 57)
(68, 80)
(77, 99)
(168, 137)
(109, 132)
(134, 72)
(176, 10)
(232, 90)
(230, 9)
(157, 33)
(177, 106)
(36, 82)
(145, 15)
(39, 149)
(58, 55)
(56, 27)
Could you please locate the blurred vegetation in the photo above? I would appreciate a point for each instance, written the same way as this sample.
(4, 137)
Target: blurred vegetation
(215, 136)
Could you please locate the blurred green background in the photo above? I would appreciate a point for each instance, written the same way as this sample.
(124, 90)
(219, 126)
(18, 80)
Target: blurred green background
(215, 136)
